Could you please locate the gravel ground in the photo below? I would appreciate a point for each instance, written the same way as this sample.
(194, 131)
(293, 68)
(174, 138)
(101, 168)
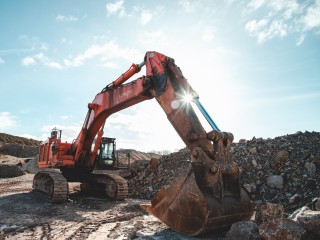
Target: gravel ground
(27, 215)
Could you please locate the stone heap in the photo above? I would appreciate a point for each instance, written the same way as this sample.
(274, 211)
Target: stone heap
(280, 174)
(284, 170)
(18, 146)
(145, 182)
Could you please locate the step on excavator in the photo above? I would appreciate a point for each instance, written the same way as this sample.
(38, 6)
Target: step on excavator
(207, 198)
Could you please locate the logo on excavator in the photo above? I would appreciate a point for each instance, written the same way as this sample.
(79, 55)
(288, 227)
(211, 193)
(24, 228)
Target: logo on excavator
(125, 94)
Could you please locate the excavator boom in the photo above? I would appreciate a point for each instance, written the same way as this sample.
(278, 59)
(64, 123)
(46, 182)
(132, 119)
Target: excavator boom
(207, 197)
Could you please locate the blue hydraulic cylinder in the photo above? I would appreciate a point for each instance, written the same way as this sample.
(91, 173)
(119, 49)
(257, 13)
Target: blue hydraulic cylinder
(205, 114)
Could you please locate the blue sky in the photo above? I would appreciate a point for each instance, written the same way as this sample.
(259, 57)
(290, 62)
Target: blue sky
(254, 63)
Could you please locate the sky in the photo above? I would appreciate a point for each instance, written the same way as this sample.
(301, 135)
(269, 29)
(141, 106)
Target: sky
(254, 63)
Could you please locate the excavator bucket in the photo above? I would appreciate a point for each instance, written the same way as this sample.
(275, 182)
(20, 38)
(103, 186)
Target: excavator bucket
(196, 203)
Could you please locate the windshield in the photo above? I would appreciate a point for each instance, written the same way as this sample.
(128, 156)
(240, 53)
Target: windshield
(107, 151)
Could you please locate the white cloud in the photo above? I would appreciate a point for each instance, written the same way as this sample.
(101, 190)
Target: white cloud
(40, 57)
(1, 60)
(116, 7)
(280, 18)
(106, 52)
(276, 29)
(254, 26)
(61, 18)
(312, 17)
(145, 17)
(7, 121)
(256, 4)
(291, 9)
(47, 61)
(54, 65)
(28, 61)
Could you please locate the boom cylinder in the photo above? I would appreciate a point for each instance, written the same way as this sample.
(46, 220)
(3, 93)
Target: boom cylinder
(135, 68)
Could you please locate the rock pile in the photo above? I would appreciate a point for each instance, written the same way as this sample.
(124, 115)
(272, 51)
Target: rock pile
(284, 170)
(18, 150)
(271, 224)
(7, 138)
(280, 174)
(146, 181)
(18, 146)
(9, 171)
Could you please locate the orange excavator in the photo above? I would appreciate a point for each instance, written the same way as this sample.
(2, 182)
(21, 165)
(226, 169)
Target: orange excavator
(206, 198)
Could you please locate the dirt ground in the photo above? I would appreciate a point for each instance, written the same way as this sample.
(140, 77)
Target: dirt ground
(27, 215)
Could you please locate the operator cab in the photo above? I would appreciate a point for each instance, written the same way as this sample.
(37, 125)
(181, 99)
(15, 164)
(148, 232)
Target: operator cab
(106, 153)
(107, 157)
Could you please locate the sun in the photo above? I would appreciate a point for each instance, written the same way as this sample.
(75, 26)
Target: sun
(188, 98)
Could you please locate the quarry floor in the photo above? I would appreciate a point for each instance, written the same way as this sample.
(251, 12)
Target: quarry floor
(28, 215)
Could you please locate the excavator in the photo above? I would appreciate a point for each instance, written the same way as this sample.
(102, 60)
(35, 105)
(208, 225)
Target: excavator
(207, 198)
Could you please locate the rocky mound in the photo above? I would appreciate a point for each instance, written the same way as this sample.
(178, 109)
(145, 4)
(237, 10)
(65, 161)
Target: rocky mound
(9, 171)
(18, 150)
(18, 146)
(12, 166)
(147, 181)
(135, 155)
(7, 138)
(284, 170)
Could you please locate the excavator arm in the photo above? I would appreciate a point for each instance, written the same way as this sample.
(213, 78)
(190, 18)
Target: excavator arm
(163, 81)
(209, 196)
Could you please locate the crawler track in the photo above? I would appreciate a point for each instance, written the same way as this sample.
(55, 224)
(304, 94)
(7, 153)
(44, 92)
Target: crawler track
(52, 185)
(110, 185)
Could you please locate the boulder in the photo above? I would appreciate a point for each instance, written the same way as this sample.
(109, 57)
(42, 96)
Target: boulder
(310, 220)
(269, 212)
(280, 159)
(253, 151)
(246, 230)
(316, 204)
(280, 229)
(311, 169)
(31, 166)
(275, 181)
(294, 216)
(154, 162)
(10, 171)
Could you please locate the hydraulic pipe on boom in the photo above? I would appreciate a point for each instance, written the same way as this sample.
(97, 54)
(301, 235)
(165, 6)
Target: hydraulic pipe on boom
(135, 68)
(205, 114)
